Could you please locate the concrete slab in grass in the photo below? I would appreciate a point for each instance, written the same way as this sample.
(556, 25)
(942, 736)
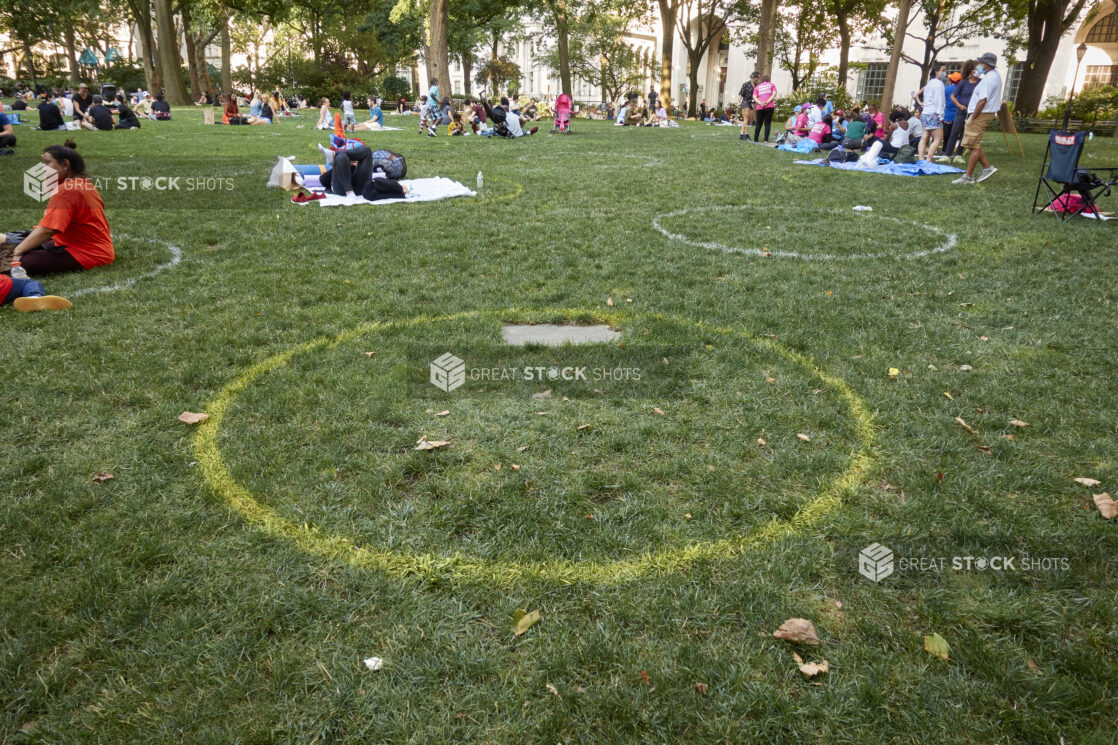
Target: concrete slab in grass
(552, 335)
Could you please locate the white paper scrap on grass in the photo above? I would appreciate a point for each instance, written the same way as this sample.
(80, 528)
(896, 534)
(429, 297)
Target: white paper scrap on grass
(374, 663)
(421, 190)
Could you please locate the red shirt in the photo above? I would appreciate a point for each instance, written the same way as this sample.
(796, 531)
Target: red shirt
(5, 287)
(78, 214)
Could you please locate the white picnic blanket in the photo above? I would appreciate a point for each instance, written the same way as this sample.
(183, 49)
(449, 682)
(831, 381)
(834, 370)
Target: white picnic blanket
(420, 190)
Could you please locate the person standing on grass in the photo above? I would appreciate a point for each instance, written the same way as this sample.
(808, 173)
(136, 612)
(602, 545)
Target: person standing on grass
(985, 103)
(960, 97)
(746, 96)
(933, 96)
(764, 97)
(73, 234)
(349, 120)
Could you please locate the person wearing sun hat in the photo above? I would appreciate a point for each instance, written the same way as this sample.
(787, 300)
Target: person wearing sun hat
(984, 105)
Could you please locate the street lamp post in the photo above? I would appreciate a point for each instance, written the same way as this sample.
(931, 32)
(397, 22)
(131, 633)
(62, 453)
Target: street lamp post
(1079, 52)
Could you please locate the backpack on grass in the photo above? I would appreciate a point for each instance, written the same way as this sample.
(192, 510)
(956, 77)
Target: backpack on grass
(906, 154)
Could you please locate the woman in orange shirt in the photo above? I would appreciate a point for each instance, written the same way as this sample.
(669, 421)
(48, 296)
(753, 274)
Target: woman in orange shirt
(73, 234)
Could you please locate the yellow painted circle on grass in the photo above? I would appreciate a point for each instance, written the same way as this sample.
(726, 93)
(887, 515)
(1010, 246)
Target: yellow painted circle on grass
(338, 548)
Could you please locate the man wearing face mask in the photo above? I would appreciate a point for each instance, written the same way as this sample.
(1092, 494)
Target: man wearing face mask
(985, 103)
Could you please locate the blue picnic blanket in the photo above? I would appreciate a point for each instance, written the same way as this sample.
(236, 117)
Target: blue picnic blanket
(803, 146)
(919, 168)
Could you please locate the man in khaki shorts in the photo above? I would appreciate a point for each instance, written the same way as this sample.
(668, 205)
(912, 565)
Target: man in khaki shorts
(984, 105)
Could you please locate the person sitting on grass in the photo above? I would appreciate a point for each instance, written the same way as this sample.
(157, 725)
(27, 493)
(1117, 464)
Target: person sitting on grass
(232, 114)
(512, 121)
(97, 116)
(265, 115)
(50, 118)
(7, 138)
(73, 234)
(325, 121)
(531, 111)
(898, 134)
(376, 113)
(29, 295)
(820, 133)
(160, 109)
(143, 108)
(456, 128)
(855, 135)
(126, 116)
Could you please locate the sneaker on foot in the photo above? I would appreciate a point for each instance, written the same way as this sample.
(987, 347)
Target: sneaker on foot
(533, 130)
(964, 179)
(42, 302)
(987, 173)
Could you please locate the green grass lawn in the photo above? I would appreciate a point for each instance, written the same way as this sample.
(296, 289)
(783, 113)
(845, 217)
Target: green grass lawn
(227, 583)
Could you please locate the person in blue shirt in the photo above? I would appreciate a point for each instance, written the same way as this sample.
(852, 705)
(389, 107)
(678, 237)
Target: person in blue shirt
(433, 114)
(7, 138)
(376, 114)
(829, 106)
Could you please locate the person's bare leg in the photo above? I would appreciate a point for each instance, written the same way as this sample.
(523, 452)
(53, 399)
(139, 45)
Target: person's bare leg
(922, 146)
(975, 155)
(937, 138)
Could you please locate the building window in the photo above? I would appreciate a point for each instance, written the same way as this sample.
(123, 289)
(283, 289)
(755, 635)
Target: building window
(1103, 32)
(1013, 80)
(1099, 75)
(871, 83)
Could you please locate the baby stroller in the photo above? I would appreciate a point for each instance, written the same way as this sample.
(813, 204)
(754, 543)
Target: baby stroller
(562, 114)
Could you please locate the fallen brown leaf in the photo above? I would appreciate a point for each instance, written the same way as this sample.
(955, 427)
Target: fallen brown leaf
(542, 394)
(965, 368)
(445, 412)
(701, 688)
(522, 448)
(687, 516)
(761, 441)
(609, 302)
(770, 381)
(523, 621)
(102, 477)
(964, 425)
(1108, 508)
(369, 354)
(424, 444)
(984, 448)
(658, 410)
(1009, 437)
(582, 427)
(514, 467)
(554, 691)
(189, 417)
(645, 677)
(543, 413)
(811, 669)
(1017, 423)
(496, 466)
(1086, 481)
(984, 338)
(797, 630)
(1033, 667)
(803, 437)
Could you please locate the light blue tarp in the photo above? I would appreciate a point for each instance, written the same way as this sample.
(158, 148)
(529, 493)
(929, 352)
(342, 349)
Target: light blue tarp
(803, 146)
(919, 168)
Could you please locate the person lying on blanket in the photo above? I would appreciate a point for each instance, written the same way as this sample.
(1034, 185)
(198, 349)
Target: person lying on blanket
(360, 172)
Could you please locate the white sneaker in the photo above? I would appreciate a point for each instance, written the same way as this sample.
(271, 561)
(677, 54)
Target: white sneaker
(964, 179)
(987, 173)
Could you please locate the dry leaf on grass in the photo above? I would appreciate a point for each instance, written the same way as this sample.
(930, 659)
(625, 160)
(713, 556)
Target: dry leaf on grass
(658, 410)
(424, 444)
(701, 688)
(523, 621)
(543, 413)
(609, 302)
(984, 338)
(936, 645)
(761, 441)
(582, 427)
(964, 425)
(189, 417)
(949, 396)
(893, 373)
(1033, 667)
(515, 467)
(445, 412)
(102, 477)
(1086, 481)
(803, 437)
(369, 354)
(542, 394)
(1108, 508)
(811, 669)
(770, 381)
(374, 663)
(797, 630)
(554, 691)
(965, 368)
(496, 466)
(1017, 423)
(645, 677)
(522, 448)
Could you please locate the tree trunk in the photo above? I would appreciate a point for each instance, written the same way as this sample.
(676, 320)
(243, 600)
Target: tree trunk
(895, 58)
(467, 71)
(30, 67)
(766, 37)
(668, 11)
(226, 58)
(844, 50)
(72, 53)
(693, 78)
(1044, 31)
(563, 32)
(170, 60)
(141, 14)
(438, 57)
(191, 54)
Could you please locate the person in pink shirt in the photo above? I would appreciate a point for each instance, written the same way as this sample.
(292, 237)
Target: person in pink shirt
(764, 99)
(821, 132)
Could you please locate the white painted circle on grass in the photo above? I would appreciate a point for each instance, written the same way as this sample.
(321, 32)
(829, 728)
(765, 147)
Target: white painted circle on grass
(176, 257)
(949, 239)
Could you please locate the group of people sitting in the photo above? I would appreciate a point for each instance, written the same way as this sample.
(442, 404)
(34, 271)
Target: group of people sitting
(83, 110)
(349, 117)
(72, 236)
(263, 108)
(507, 117)
(635, 113)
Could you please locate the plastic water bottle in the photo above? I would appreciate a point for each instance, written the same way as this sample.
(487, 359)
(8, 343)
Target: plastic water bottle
(480, 181)
(18, 272)
(1091, 136)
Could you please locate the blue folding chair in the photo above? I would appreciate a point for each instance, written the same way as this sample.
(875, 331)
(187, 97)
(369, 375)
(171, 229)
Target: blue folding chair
(1061, 176)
